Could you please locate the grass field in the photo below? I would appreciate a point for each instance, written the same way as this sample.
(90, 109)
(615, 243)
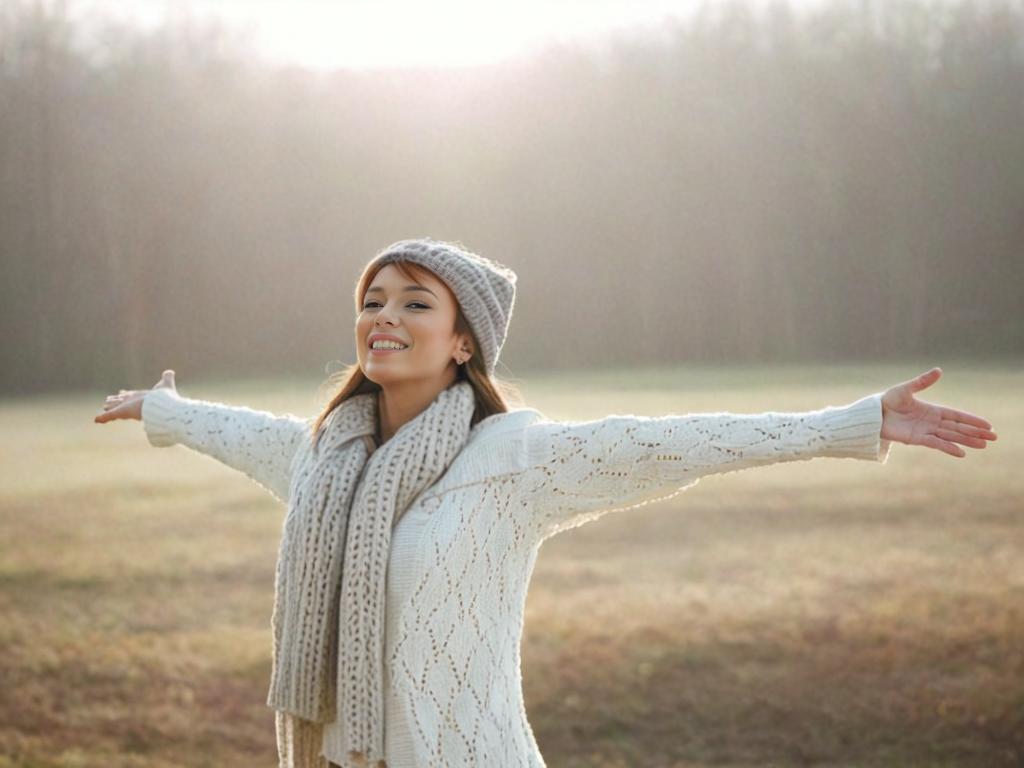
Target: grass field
(828, 612)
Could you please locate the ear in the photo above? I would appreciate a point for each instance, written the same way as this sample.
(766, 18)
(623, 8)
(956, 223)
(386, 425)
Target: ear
(464, 346)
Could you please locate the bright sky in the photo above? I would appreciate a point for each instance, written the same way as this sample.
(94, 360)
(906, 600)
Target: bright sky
(326, 34)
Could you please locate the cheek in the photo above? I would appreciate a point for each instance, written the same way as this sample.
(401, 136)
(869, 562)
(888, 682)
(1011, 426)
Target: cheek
(429, 334)
(362, 330)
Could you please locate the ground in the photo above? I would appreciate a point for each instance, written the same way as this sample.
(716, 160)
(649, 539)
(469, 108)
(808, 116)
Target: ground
(826, 613)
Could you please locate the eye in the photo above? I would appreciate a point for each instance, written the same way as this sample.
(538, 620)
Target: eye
(368, 304)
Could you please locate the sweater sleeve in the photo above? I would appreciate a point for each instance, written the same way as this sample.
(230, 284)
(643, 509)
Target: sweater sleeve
(578, 471)
(258, 443)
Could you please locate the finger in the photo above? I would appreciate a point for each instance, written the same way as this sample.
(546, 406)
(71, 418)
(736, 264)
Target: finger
(925, 380)
(967, 429)
(959, 437)
(931, 441)
(963, 417)
(110, 412)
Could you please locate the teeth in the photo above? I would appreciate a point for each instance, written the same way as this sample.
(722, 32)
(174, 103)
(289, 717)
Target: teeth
(388, 345)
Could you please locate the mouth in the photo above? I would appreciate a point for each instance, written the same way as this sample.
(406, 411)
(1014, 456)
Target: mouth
(383, 351)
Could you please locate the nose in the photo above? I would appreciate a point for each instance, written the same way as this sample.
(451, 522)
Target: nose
(383, 314)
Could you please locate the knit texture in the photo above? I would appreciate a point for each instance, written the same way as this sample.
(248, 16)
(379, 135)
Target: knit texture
(337, 539)
(463, 553)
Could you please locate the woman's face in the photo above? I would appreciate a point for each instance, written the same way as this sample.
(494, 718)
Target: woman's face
(420, 314)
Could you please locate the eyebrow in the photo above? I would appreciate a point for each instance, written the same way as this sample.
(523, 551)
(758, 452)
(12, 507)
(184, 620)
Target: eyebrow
(378, 289)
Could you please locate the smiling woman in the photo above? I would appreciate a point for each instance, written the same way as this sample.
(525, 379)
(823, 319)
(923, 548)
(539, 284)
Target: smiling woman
(418, 501)
(406, 337)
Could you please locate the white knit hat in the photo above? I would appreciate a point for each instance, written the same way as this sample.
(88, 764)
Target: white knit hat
(484, 288)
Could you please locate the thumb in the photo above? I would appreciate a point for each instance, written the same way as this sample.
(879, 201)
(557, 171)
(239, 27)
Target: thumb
(923, 381)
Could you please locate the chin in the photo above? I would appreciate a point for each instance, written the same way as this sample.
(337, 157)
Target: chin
(378, 376)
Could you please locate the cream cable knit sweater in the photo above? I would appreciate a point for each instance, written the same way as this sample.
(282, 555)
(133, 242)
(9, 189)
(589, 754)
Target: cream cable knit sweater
(462, 556)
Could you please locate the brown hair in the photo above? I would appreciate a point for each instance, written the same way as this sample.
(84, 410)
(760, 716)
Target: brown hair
(492, 395)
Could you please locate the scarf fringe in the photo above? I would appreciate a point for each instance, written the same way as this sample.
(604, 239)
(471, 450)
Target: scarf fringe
(359, 758)
(299, 743)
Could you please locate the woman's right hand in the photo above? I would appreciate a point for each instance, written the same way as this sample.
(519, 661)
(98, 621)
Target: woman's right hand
(127, 404)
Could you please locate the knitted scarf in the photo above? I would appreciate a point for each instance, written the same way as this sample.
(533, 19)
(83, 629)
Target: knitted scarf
(330, 584)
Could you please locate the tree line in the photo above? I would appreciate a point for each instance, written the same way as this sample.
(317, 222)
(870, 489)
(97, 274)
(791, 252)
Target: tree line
(753, 185)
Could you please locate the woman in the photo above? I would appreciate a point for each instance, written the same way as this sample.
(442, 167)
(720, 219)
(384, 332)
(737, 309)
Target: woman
(418, 500)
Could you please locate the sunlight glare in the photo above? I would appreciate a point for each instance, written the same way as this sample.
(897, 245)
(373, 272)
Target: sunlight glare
(328, 34)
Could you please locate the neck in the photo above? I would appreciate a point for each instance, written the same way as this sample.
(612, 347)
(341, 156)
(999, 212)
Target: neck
(402, 402)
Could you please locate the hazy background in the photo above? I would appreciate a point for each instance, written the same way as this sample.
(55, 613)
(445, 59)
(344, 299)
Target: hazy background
(711, 207)
(736, 183)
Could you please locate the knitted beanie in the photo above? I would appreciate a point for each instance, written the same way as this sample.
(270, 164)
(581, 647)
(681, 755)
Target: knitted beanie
(485, 289)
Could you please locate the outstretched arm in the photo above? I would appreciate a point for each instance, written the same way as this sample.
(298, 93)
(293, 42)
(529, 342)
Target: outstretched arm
(258, 443)
(577, 472)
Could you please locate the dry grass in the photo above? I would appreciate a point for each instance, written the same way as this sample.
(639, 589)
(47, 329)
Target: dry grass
(831, 612)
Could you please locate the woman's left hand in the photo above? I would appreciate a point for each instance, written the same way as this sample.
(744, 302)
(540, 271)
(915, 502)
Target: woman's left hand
(916, 422)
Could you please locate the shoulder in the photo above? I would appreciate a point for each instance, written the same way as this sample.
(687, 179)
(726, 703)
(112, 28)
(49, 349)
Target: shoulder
(504, 423)
(496, 446)
(502, 437)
